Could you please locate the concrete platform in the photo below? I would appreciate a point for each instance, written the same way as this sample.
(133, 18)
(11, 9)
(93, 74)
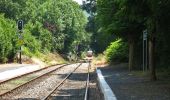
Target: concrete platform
(8, 72)
(135, 85)
(104, 87)
(4, 67)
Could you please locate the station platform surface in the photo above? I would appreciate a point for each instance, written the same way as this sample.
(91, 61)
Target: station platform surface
(133, 85)
(8, 71)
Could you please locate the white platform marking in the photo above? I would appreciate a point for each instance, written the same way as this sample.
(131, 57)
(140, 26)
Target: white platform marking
(105, 89)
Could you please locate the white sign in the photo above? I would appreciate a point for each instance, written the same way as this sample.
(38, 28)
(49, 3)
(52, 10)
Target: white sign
(145, 35)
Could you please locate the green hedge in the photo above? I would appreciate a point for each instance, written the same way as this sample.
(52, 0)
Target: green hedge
(117, 52)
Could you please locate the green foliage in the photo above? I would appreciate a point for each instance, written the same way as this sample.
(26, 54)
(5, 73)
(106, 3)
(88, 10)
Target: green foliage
(7, 39)
(62, 18)
(99, 39)
(27, 52)
(123, 18)
(128, 18)
(117, 51)
(49, 26)
(31, 42)
(43, 36)
(9, 8)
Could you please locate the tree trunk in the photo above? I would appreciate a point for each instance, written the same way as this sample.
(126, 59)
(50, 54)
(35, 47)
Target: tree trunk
(152, 58)
(131, 52)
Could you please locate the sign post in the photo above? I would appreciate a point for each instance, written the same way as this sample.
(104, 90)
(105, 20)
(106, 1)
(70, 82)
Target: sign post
(20, 31)
(145, 50)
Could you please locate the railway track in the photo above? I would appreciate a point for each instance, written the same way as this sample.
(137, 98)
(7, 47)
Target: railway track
(13, 84)
(69, 89)
(4, 81)
(87, 83)
(34, 87)
(45, 86)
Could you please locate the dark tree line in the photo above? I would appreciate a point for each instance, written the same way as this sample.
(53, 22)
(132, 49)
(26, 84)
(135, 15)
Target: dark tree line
(126, 19)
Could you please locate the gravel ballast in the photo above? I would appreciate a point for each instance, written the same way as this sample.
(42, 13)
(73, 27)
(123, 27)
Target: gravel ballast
(74, 86)
(9, 85)
(41, 87)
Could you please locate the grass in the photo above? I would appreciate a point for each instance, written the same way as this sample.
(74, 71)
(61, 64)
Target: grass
(51, 58)
(44, 59)
(163, 73)
(47, 58)
(140, 73)
(99, 59)
(160, 73)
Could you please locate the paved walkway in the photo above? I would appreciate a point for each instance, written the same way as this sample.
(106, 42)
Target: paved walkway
(13, 70)
(130, 86)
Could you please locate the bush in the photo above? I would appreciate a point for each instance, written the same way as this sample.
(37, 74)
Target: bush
(117, 52)
(41, 34)
(7, 39)
(31, 43)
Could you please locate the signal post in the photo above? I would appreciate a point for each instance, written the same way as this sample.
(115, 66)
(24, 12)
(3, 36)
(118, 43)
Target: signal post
(20, 38)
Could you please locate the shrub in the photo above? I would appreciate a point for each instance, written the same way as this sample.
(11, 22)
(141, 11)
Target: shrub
(117, 52)
(40, 34)
(31, 43)
(7, 39)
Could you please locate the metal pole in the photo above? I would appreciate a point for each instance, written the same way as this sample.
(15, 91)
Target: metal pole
(20, 58)
(143, 55)
(20, 30)
(146, 55)
(145, 50)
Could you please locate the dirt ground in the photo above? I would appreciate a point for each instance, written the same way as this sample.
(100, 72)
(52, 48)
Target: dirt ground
(133, 86)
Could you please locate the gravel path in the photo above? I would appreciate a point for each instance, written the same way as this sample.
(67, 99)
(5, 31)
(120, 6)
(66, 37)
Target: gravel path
(74, 86)
(38, 89)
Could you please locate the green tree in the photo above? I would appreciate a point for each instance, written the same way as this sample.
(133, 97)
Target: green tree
(157, 12)
(9, 8)
(123, 18)
(50, 25)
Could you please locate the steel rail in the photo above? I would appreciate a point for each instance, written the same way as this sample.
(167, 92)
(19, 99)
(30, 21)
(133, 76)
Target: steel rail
(87, 83)
(32, 80)
(19, 76)
(62, 82)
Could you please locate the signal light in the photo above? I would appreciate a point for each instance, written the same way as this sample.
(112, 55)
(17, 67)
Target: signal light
(20, 25)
